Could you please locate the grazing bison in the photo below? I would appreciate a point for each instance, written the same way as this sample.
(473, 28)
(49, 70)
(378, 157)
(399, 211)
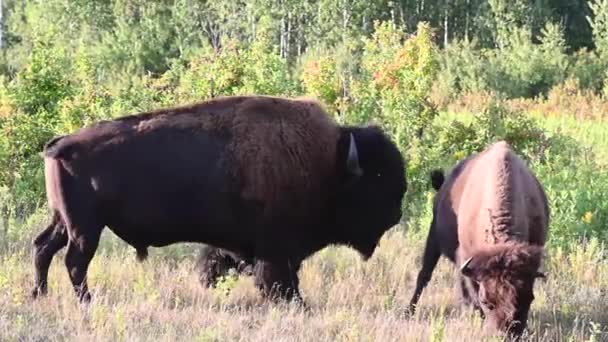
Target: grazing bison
(266, 178)
(216, 262)
(490, 216)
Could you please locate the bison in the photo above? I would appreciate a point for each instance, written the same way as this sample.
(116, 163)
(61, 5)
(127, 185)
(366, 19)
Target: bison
(264, 177)
(490, 216)
(214, 263)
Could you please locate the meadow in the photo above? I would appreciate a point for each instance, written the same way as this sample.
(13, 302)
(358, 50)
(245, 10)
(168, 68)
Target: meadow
(350, 300)
(442, 78)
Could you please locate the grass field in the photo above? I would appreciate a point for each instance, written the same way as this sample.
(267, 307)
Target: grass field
(161, 299)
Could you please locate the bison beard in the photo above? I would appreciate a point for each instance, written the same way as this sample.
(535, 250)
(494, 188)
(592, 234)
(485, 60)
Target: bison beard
(262, 177)
(490, 216)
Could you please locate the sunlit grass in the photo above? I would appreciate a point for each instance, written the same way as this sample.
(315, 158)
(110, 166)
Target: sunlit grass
(349, 300)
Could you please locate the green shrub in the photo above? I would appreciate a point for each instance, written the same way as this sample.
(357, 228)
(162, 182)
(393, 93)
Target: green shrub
(320, 78)
(577, 189)
(265, 72)
(495, 122)
(44, 82)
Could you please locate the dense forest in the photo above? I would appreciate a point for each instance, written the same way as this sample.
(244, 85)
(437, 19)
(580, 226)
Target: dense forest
(401, 64)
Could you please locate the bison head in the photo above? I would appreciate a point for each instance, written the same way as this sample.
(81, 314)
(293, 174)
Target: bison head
(504, 276)
(371, 187)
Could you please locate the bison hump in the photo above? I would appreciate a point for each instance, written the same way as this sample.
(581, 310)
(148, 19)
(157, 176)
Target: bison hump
(285, 151)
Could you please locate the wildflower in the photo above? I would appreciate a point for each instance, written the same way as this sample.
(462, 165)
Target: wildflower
(587, 217)
(459, 155)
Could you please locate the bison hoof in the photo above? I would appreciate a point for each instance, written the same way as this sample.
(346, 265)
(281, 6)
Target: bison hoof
(38, 292)
(85, 298)
(410, 311)
(300, 301)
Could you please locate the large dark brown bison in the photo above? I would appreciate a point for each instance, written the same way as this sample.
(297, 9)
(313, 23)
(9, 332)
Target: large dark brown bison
(490, 216)
(266, 178)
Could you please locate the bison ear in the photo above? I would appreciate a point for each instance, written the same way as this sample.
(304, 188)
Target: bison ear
(465, 269)
(352, 161)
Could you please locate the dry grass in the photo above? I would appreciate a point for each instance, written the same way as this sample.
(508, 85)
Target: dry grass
(350, 300)
(564, 100)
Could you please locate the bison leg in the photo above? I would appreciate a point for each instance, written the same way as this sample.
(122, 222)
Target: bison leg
(211, 265)
(278, 279)
(81, 249)
(53, 238)
(432, 253)
(215, 262)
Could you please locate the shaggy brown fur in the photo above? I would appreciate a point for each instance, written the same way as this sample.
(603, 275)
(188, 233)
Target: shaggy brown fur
(491, 216)
(508, 203)
(298, 132)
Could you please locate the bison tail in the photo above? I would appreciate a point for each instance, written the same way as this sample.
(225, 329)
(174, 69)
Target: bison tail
(51, 148)
(60, 148)
(437, 179)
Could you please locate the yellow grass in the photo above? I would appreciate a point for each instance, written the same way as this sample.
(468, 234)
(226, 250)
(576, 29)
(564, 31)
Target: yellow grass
(350, 300)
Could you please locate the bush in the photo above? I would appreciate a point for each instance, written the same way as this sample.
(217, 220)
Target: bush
(211, 73)
(397, 76)
(519, 68)
(320, 78)
(496, 122)
(232, 70)
(577, 189)
(588, 69)
(265, 72)
(463, 67)
(43, 83)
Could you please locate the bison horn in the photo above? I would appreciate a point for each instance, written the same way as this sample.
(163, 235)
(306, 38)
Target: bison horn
(352, 162)
(464, 269)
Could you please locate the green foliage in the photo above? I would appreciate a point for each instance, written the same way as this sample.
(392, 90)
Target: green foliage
(397, 76)
(212, 73)
(234, 70)
(226, 283)
(496, 122)
(320, 78)
(519, 68)
(588, 68)
(462, 69)
(576, 214)
(599, 25)
(264, 72)
(41, 85)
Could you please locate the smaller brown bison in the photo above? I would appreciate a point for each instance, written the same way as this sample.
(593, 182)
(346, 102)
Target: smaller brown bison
(490, 216)
(214, 263)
